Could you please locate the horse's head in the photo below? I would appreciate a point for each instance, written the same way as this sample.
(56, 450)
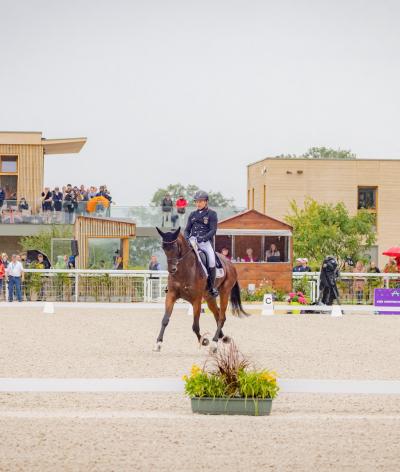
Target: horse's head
(174, 245)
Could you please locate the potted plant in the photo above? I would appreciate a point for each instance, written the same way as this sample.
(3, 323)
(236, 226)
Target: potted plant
(228, 385)
(297, 298)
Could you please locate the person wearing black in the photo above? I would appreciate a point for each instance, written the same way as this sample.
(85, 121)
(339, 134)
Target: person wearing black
(166, 207)
(23, 204)
(327, 285)
(2, 196)
(202, 225)
(57, 202)
(69, 205)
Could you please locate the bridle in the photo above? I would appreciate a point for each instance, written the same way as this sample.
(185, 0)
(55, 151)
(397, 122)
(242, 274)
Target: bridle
(176, 260)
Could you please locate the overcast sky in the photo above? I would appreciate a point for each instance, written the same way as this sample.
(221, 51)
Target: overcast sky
(192, 91)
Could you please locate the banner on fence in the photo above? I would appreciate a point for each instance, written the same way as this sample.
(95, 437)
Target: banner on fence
(387, 297)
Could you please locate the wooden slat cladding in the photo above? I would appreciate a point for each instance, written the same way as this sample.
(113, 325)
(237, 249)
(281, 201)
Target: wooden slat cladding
(30, 170)
(90, 227)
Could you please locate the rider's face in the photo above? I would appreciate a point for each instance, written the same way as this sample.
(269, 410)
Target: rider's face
(200, 204)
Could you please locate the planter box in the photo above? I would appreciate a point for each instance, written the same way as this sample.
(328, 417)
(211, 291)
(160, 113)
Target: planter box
(232, 406)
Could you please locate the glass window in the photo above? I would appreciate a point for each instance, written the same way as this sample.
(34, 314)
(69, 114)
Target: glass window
(276, 249)
(366, 198)
(247, 248)
(8, 163)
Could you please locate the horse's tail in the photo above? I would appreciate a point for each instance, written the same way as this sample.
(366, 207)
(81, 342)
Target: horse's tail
(236, 302)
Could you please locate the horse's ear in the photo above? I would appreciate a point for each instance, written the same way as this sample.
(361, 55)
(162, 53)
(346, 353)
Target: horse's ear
(160, 232)
(176, 233)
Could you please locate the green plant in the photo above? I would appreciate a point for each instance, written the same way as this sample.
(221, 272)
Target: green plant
(228, 374)
(302, 285)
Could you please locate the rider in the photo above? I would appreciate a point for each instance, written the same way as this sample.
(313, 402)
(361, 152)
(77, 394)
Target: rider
(202, 225)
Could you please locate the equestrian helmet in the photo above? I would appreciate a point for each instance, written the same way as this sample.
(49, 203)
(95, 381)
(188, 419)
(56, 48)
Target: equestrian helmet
(200, 195)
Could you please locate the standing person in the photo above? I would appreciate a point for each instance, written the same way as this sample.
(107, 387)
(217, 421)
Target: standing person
(57, 198)
(181, 205)
(47, 198)
(202, 225)
(2, 275)
(359, 282)
(69, 205)
(14, 274)
(4, 259)
(2, 196)
(166, 207)
(154, 264)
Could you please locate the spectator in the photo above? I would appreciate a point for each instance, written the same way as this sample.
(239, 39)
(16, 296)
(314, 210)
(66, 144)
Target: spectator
(23, 205)
(225, 253)
(2, 196)
(299, 265)
(92, 192)
(47, 197)
(69, 205)
(41, 264)
(154, 264)
(373, 268)
(84, 193)
(71, 262)
(2, 275)
(14, 274)
(249, 256)
(304, 265)
(181, 205)
(4, 259)
(57, 198)
(272, 252)
(359, 282)
(166, 207)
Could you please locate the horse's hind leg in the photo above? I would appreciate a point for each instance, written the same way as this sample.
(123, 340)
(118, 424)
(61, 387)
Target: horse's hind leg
(223, 298)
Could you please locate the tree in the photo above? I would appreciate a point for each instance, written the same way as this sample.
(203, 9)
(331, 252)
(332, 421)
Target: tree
(322, 229)
(321, 153)
(42, 240)
(216, 199)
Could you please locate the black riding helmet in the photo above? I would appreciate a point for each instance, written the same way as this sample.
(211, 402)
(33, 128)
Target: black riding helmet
(200, 195)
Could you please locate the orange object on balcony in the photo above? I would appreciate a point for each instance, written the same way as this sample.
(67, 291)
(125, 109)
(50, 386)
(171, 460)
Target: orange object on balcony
(93, 202)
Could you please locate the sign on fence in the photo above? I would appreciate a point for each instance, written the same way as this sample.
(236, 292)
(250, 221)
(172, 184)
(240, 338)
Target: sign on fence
(387, 297)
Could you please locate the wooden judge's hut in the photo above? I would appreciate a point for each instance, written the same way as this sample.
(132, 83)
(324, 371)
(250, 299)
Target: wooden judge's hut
(261, 248)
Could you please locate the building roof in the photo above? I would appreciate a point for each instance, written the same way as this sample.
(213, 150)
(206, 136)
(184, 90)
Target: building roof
(294, 159)
(50, 146)
(252, 220)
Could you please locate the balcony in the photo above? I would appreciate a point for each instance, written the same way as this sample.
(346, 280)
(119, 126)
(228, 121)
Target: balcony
(144, 216)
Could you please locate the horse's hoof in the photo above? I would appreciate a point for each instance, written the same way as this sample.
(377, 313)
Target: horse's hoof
(213, 347)
(226, 339)
(205, 342)
(157, 347)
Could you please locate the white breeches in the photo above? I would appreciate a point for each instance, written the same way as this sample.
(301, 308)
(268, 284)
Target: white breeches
(208, 249)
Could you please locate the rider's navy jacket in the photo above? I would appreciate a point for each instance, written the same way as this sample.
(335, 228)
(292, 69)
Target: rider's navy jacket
(202, 224)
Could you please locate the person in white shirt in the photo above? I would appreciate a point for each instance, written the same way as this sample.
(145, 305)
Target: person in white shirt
(15, 275)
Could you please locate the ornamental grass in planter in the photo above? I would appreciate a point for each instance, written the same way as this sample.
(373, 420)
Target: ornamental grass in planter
(228, 384)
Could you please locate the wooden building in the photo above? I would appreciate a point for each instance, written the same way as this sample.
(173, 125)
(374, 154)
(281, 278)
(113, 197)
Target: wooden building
(22, 163)
(90, 227)
(371, 184)
(252, 229)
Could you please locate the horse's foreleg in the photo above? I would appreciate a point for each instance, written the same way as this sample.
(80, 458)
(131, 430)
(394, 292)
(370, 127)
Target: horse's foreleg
(212, 305)
(196, 318)
(169, 305)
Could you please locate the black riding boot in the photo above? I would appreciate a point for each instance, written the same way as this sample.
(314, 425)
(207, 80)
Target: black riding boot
(211, 281)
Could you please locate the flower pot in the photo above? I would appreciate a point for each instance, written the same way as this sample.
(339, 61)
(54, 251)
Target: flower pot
(295, 312)
(232, 406)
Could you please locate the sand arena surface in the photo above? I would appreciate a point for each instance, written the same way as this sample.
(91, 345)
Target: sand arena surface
(148, 431)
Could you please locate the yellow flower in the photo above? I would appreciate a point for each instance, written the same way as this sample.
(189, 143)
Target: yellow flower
(195, 370)
(269, 376)
(185, 378)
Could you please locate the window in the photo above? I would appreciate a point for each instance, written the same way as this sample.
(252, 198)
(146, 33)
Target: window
(9, 164)
(367, 198)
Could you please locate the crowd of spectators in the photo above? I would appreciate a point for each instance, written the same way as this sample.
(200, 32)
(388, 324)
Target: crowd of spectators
(56, 205)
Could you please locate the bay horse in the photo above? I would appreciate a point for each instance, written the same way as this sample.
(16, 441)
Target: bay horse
(187, 280)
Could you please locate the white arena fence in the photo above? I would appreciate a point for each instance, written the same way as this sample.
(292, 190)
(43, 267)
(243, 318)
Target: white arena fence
(149, 286)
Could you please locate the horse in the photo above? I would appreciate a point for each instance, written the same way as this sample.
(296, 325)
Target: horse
(187, 280)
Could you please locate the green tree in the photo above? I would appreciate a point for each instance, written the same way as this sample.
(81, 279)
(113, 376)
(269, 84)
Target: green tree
(321, 152)
(175, 190)
(42, 240)
(322, 229)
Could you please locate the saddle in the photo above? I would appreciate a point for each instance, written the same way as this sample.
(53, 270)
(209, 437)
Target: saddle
(203, 259)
